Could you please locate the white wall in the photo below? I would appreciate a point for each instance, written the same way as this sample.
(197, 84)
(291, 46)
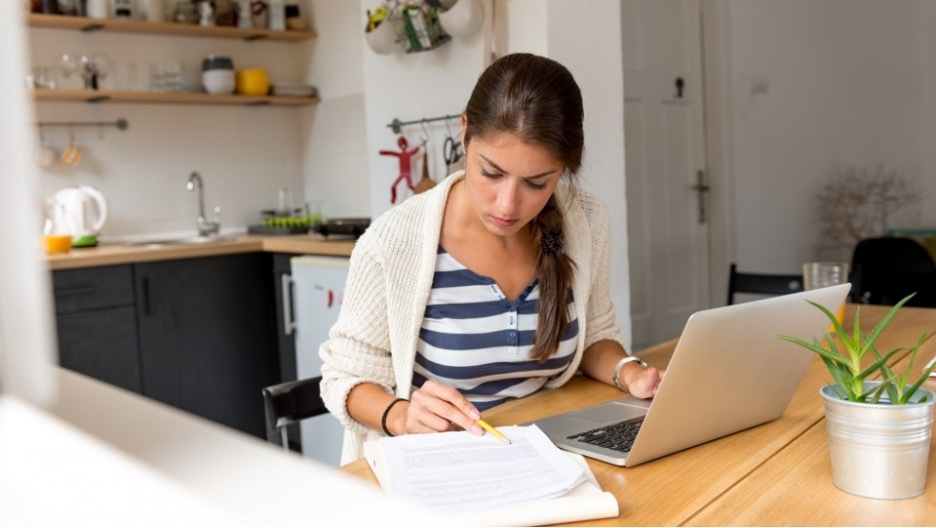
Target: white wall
(598, 69)
(333, 132)
(844, 82)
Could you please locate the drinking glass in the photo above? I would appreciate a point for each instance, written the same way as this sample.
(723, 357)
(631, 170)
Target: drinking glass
(823, 274)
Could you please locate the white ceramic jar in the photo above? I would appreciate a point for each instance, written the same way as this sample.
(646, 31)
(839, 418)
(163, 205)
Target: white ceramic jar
(97, 8)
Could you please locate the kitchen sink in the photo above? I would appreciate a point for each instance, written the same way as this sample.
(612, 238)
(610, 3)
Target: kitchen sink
(181, 241)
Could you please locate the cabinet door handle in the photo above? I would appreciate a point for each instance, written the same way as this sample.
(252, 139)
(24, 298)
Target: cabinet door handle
(76, 289)
(146, 296)
(289, 325)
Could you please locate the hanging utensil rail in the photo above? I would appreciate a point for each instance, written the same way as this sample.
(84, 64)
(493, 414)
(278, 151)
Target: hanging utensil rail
(120, 124)
(396, 125)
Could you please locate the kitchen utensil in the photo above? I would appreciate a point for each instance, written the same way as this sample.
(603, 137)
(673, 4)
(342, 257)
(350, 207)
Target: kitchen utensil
(97, 8)
(382, 37)
(426, 182)
(463, 19)
(343, 227)
(80, 211)
(55, 238)
(206, 12)
(252, 81)
(71, 156)
(218, 75)
(45, 154)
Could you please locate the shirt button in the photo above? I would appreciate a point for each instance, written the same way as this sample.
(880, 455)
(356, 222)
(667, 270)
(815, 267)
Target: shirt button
(512, 334)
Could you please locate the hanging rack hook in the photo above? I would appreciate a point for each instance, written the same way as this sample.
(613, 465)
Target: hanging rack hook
(425, 131)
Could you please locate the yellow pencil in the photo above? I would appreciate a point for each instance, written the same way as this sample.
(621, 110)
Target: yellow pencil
(490, 428)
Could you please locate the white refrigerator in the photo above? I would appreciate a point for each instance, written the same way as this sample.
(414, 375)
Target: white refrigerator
(318, 288)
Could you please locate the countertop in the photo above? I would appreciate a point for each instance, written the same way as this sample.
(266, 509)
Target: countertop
(115, 253)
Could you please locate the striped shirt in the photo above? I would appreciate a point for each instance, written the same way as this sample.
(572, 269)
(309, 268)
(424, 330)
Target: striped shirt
(474, 339)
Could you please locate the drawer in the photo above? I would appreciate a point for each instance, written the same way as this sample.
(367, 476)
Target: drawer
(92, 288)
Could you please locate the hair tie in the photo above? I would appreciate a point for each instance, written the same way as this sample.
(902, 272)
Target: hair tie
(551, 241)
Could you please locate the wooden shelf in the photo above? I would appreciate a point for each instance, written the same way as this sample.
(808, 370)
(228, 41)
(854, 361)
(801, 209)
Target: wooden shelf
(162, 28)
(111, 96)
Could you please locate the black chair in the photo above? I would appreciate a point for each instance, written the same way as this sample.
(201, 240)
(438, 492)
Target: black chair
(289, 402)
(888, 269)
(761, 283)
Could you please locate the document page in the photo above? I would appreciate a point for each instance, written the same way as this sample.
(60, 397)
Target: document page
(458, 471)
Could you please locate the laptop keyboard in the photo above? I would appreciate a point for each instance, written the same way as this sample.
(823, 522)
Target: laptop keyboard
(617, 437)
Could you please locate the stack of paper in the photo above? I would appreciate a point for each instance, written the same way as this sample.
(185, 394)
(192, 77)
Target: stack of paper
(479, 480)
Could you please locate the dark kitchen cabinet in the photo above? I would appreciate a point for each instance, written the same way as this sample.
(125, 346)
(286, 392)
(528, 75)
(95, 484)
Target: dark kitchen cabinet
(207, 336)
(96, 324)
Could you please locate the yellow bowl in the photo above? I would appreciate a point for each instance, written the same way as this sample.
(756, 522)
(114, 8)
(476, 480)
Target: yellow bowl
(252, 82)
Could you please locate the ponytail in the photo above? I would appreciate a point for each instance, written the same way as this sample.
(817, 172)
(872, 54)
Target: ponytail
(555, 269)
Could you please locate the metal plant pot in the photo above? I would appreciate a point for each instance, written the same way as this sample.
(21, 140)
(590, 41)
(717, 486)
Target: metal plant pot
(879, 451)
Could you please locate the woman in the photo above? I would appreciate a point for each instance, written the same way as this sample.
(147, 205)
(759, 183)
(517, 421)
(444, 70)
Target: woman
(492, 285)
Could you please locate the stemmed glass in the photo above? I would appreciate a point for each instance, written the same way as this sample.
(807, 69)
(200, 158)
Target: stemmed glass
(70, 64)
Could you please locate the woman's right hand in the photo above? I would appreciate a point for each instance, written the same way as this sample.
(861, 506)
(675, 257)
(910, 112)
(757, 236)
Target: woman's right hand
(433, 408)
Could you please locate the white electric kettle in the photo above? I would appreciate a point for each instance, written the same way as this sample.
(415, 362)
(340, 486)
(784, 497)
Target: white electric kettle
(81, 211)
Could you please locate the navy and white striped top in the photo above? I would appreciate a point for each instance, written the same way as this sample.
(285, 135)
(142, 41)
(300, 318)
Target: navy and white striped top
(475, 340)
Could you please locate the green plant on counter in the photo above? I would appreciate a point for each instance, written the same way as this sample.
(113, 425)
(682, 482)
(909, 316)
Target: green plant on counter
(845, 363)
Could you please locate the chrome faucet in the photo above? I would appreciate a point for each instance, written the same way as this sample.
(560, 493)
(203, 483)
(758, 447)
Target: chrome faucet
(205, 228)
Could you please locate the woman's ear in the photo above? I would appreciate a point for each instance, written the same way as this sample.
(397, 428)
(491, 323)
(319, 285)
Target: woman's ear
(464, 127)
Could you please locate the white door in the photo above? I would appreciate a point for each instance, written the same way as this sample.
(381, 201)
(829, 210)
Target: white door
(664, 145)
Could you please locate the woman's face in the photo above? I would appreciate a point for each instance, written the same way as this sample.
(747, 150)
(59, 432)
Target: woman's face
(508, 181)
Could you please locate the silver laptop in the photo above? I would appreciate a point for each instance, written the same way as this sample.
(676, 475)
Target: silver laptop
(729, 372)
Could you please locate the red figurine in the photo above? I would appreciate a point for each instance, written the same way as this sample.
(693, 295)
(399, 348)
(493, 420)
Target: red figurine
(404, 156)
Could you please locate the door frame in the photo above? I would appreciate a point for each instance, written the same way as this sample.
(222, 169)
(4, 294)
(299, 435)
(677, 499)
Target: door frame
(716, 76)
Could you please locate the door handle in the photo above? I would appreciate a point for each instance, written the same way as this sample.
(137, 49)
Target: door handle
(289, 325)
(147, 308)
(701, 188)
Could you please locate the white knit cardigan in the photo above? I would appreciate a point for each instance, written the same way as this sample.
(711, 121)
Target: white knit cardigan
(374, 339)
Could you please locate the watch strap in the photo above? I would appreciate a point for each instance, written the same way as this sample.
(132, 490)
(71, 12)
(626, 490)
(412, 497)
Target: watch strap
(617, 369)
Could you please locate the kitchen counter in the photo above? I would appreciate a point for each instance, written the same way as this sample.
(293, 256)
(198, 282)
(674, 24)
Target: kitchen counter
(111, 254)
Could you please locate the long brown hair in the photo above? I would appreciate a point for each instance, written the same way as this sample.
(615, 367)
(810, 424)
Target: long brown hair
(537, 100)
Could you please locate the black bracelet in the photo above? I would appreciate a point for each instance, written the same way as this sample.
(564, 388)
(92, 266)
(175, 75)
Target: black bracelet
(383, 419)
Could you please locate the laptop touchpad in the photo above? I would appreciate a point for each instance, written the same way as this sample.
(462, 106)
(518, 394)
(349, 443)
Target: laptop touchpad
(614, 412)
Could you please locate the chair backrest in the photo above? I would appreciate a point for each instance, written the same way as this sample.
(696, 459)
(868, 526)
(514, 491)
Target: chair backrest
(890, 268)
(761, 283)
(289, 402)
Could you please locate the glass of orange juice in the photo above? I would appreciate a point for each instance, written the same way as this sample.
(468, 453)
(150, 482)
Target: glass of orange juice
(823, 274)
(56, 239)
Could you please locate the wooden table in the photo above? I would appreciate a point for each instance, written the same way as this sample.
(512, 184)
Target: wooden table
(775, 474)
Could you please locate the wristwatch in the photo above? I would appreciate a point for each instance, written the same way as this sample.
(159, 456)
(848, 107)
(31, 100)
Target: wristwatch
(617, 369)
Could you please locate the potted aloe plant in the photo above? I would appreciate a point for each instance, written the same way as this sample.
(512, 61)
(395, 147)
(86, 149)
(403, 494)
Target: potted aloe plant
(879, 431)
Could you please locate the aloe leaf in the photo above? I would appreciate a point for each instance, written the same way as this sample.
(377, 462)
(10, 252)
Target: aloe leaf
(815, 348)
(883, 324)
(842, 377)
(839, 330)
(877, 365)
(909, 393)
